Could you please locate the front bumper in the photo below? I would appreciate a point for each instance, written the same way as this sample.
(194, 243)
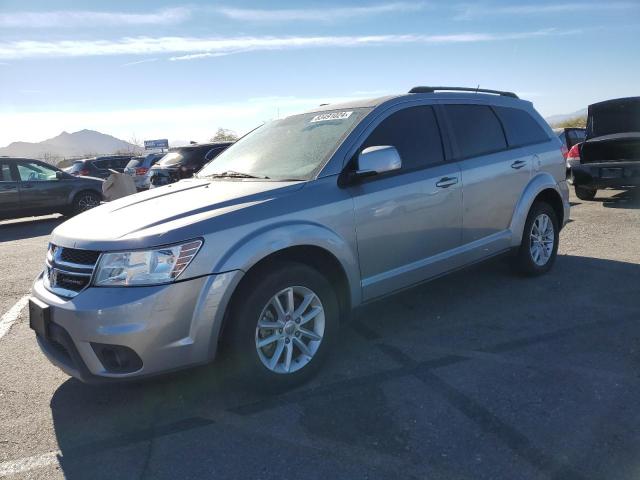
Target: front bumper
(605, 174)
(169, 327)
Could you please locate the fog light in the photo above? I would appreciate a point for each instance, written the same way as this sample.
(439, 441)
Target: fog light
(117, 358)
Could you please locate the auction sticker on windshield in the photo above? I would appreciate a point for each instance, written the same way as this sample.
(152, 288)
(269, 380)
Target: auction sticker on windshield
(323, 117)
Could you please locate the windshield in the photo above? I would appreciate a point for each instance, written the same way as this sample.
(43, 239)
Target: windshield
(135, 162)
(292, 148)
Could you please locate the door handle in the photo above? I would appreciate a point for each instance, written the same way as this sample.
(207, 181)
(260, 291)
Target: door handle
(446, 182)
(518, 164)
(26, 186)
(9, 187)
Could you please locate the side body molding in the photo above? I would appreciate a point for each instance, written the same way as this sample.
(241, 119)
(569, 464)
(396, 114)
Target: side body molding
(542, 181)
(248, 251)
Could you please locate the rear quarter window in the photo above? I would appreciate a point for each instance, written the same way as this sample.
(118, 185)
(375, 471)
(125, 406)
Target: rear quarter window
(520, 127)
(476, 130)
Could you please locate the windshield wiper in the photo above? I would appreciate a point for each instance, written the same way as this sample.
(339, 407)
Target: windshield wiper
(234, 174)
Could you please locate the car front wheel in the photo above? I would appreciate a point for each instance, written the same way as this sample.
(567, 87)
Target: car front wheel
(85, 201)
(283, 322)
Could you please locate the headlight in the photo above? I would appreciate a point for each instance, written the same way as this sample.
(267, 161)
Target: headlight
(145, 267)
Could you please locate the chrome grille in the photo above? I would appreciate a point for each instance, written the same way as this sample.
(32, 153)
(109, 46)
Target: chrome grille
(68, 271)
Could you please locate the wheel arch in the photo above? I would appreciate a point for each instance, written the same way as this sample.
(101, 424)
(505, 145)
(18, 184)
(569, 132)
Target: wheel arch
(310, 244)
(541, 187)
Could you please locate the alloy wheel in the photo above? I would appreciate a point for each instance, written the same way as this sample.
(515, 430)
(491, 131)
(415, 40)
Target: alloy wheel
(542, 238)
(290, 329)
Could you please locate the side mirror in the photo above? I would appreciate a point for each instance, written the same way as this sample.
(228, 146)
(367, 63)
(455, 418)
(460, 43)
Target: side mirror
(60, 175)
(376, 160)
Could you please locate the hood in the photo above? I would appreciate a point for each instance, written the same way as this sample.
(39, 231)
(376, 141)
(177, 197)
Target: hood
(621, 115)
(165, 215)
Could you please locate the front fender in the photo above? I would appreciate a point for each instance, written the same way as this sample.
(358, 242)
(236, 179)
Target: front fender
(542, 181)
(248, 251)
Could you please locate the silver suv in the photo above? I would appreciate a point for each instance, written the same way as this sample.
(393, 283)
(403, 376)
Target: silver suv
(272, 245)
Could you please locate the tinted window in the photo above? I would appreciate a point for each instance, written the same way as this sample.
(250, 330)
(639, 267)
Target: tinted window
(520, 127)
(213, 153)
(576, 136)
(415, 134)
(5, 173)
(476, 129)
(100, 164)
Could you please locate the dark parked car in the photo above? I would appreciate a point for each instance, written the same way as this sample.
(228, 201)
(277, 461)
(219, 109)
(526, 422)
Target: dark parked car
(31, 187)
(610, 155)
(99, 166)
(183, 162)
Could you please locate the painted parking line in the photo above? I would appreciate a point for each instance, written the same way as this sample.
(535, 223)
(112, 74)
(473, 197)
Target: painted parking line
(12, 315)
(22, 465)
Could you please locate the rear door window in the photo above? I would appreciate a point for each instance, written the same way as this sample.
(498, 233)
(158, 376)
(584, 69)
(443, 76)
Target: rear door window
(414, 132)
(520, 127)
(476, 130)
(5, 172)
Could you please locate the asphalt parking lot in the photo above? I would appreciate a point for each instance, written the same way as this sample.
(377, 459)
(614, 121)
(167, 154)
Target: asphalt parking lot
(481, 374)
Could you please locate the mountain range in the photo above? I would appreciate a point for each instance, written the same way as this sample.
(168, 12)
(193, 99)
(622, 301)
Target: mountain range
(553, 119)
(77, 144)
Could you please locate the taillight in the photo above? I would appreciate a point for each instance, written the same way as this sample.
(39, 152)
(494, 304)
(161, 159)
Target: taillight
(141, 170)
(84, 172)
(574, 153)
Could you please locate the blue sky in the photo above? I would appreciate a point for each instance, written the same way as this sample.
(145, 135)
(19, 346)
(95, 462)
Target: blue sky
(155, 69)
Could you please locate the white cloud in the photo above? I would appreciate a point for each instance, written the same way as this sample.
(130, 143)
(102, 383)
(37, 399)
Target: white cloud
(73, 19)
(317, 15)
(470, 11)
(138, 62)
(195, 47)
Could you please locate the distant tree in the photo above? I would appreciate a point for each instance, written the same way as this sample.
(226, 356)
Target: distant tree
(224, 135)
(580, 121)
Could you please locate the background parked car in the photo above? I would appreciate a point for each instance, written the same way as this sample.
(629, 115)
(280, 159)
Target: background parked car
(31, 187)
(570, 136)
(610, 155)
(138, 168)
(99, 166)
(183, 162)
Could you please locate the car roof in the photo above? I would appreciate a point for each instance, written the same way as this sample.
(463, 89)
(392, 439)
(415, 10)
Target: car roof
(20, 159)
(389, 100)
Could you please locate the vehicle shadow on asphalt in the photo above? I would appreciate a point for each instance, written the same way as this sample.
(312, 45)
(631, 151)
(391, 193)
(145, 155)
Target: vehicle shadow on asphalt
(628, 199)
(96, 426)
(28, 228)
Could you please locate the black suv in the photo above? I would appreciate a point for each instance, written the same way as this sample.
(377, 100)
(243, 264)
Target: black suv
(31, 187)
(183, 162)
(99, 166)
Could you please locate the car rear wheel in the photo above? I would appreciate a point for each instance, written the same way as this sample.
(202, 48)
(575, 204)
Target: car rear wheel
(539, 246)
(85, 201)
(585, 193)
(283, 322)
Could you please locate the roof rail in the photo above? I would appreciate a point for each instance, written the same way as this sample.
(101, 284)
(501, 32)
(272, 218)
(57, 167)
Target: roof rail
(461, 89)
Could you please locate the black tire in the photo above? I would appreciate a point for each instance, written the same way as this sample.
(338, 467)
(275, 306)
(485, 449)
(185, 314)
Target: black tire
(250, 302)
(84, 201)
(524, 261)
(585, 193)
